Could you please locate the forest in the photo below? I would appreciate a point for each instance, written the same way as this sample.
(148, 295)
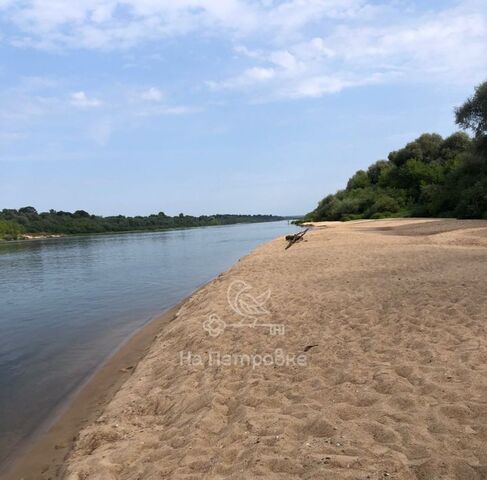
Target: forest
(14, 224)
(429, 177)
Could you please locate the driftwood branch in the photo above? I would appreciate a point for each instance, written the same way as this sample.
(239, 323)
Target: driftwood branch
(292, 239)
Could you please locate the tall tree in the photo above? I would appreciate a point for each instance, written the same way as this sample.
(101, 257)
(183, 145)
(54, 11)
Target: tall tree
(473, 113)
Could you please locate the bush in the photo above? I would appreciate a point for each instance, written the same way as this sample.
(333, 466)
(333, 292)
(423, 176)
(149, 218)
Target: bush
(10, 230)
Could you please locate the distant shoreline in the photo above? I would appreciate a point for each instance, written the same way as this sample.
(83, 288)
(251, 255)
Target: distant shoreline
(33, 237)
(27, 221)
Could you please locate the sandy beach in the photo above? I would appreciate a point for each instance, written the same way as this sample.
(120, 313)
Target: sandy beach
(358, 353)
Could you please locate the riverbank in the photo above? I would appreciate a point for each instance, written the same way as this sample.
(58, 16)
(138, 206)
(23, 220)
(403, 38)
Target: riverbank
(67, 304)
(43, 456)
(45, 236)
(29, 237)
(27, 223)
(377, 365)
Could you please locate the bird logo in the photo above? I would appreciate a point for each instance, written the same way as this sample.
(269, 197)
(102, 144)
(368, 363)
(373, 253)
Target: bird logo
(244, 303)
(249, 307)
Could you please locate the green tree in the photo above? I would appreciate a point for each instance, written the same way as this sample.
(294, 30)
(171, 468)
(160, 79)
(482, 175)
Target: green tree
(430, 176)
(472, 114)
(10, 230)
(359, 180)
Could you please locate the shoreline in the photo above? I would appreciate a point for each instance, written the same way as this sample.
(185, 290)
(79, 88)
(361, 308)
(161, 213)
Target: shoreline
(55, 236)
(46, 450)
(391, 325)
(378, 370)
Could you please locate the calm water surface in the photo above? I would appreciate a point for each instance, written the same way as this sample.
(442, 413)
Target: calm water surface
(66, 304)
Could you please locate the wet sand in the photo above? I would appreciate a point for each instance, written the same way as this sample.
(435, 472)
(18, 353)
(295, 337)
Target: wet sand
(380, 372)
(44, 456)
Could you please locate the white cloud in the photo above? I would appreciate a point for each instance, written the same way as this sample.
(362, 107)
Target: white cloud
(259, 74)
(152, 94)
(249, 77)
(314, 49)
(153, 102)
(168, 110)
(81, 100)
(295, 14)
(285, 48)
(285, 60)
(113, 24)
(447, 46)
(317, 86)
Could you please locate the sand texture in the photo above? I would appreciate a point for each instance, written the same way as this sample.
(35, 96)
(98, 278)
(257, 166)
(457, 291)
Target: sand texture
(389, 318)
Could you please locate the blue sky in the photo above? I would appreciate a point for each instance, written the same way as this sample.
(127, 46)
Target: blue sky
(228, 106)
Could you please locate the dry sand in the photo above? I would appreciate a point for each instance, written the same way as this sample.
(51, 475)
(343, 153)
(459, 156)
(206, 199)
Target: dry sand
(390, 317)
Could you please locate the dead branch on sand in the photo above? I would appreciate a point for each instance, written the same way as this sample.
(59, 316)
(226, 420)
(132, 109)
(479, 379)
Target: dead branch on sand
(292, 239)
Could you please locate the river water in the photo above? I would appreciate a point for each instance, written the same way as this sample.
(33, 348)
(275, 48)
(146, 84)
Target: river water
(67, 303)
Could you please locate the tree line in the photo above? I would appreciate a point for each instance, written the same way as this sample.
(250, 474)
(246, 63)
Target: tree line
(16, 223)
(430, 177)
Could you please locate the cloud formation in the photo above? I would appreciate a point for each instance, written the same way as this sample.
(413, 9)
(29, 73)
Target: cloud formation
(286, 48)
(122, 23)
(81, 100)
(445, 46)
(152, 94)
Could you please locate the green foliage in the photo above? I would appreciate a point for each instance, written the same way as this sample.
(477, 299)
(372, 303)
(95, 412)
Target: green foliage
(10, 230)
(473, 113)
(425, 148)
(359, 180)
(430, 176)
(376, 170)
(454, 145)
(27, 220)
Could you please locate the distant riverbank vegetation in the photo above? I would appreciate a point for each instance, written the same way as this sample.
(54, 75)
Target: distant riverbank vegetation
(430, 177)
(27, 222)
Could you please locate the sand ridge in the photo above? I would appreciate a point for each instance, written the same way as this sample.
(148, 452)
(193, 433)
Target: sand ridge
(391, 318)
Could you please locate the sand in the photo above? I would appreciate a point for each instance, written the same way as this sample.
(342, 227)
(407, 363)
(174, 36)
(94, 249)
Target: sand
(42, 457)
(381, 371)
